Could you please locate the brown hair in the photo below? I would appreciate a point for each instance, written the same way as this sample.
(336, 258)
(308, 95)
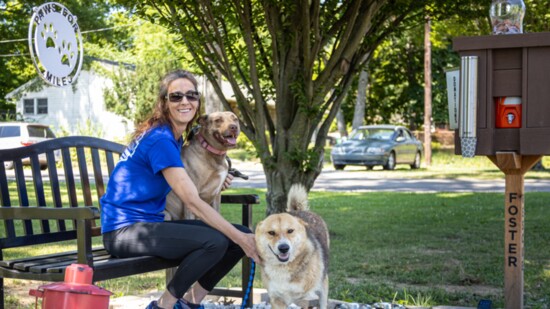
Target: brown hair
(161, 113)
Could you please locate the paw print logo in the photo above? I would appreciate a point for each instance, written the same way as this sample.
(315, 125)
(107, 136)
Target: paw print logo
(65, 49)
(57, 46)
(49, 35)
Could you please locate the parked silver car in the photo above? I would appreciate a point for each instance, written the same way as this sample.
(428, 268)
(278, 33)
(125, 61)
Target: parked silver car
(386, 145)
(18, 134)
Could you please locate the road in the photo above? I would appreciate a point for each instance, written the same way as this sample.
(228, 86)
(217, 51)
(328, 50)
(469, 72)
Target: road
(365, 181)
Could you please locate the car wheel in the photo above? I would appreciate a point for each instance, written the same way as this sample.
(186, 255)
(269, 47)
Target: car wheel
(339, 166)
(390, 164)
(369, 167)
(8, 165)
(43, 167)
(416, 163)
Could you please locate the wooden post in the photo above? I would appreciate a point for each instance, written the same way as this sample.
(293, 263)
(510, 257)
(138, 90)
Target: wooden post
(514, 167)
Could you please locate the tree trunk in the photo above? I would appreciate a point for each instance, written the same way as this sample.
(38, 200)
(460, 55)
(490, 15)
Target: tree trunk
(427, 94)
(212, 102)
(359, 114)
(341, 123)
(280, 178)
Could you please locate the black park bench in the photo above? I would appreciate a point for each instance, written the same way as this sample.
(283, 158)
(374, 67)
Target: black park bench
(60, 203)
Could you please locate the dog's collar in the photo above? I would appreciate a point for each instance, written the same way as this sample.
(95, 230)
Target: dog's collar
(209, 147)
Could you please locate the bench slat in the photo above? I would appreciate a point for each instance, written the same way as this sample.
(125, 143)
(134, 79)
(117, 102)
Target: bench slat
(84, 178)
(9, 227)
(11, 263)
(69, 177)
(98, 174)
(110, 161)
(59, 265)
(27, 264)
(22, 193)
(55, 189)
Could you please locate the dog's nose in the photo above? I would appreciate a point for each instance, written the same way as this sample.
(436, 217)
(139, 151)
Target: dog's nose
(233, 127)
(283, 248)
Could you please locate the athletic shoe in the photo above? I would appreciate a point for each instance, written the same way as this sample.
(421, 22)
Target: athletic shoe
(183, 304)
(153, 305)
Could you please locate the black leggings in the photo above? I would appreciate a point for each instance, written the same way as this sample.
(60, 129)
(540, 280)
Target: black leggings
(206, 254)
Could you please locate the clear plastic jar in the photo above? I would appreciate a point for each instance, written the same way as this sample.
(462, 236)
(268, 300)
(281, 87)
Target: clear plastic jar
(507, 16)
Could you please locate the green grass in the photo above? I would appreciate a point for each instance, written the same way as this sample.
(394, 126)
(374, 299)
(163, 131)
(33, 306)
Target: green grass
(439, 249)
(444, 249)
(415, 249)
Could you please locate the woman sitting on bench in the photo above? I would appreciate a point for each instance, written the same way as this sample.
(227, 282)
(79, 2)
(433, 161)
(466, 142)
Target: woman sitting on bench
(132, 218)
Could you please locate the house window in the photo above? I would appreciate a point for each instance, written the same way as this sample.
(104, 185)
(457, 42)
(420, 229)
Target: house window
(35, 106)
(42, 106)
(28, 105)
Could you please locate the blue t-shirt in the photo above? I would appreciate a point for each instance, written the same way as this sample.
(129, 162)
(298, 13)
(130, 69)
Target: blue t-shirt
(137, 190)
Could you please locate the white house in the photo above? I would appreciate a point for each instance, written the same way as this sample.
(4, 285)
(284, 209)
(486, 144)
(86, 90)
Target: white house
(79, 109)
(76, 109)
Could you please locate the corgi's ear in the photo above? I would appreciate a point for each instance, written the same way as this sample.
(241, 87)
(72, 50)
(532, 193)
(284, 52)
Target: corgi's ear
(304, 223)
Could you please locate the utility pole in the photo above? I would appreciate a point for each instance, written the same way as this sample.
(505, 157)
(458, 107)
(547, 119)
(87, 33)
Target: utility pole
(427, 93)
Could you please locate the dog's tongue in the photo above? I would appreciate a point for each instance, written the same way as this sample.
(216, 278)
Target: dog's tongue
(283, 257)
(231, 140)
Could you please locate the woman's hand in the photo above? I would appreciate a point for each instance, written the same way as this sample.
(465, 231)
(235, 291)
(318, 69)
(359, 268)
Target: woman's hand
(227, 182)
(185, 189)
(248, 244)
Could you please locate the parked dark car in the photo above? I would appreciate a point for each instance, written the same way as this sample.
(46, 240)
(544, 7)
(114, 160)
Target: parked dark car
(386, 145)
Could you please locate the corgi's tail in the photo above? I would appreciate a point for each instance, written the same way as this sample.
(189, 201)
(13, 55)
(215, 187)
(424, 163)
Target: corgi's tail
(297, 198)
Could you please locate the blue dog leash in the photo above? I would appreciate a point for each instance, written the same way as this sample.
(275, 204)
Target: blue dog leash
(250, 283)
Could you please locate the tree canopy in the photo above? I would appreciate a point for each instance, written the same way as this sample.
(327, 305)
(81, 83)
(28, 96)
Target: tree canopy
(301, 56)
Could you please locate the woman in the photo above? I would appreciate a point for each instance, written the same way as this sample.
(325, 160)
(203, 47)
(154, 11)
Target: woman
(132, 207)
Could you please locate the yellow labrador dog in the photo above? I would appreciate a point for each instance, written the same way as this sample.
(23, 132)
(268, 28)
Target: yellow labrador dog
(204, 159)
(294, 247)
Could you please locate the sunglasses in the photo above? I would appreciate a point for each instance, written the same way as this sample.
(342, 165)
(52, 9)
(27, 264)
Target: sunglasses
(176, 97)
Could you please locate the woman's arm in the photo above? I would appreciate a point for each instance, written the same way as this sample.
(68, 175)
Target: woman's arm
(185, 189)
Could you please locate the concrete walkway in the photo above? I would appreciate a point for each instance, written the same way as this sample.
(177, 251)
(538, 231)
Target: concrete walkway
(260, 295)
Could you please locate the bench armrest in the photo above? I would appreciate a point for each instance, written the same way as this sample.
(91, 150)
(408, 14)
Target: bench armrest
(29, 213)
(240, 199)
(245, 200)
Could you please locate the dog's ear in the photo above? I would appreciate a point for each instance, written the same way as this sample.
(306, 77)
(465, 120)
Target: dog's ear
(304, 223)
(202, 120)
(258, 226)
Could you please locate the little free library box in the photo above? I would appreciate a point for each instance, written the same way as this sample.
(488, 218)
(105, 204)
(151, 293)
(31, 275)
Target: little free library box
(505, 98)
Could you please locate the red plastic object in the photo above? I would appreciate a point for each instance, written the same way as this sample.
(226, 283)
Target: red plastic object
(508, 112)
(75, 292)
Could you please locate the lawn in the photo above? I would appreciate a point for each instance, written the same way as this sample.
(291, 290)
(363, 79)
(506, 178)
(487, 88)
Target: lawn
(409, 248)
